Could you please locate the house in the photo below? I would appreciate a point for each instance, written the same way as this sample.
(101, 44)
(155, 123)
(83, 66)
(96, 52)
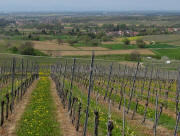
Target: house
(136, 33)
(121, 33)
(176, 29)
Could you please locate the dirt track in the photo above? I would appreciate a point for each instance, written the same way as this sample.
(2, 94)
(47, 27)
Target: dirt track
(108, 52)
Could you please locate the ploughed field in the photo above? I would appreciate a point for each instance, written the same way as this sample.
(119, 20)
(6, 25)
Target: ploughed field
(52, 48)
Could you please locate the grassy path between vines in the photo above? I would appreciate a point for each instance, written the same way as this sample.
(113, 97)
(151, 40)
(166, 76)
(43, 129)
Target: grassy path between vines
(39, 118)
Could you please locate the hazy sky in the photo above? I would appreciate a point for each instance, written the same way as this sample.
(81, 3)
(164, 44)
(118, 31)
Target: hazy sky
(78, 5)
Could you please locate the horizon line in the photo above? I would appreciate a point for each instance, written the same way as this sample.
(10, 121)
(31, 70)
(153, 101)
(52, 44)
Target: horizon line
(86, 11)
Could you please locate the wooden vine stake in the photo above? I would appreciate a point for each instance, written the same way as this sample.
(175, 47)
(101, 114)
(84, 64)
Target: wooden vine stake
(177, 124)
(177, 103)
(72, 78)
(96, 121)
(79, 115)
(12, 85)
(109, 79)
(147, 99)
(177, 92)
(110, 125)
(7, 106)
(2, 113)
(22, 74)
(64, 76)
(124, 113)
(133, 86)
(156, 114)
(89, 93)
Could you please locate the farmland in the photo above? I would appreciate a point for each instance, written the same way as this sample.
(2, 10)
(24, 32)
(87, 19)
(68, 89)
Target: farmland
(169, 39)
(171, 53)
(111, 34)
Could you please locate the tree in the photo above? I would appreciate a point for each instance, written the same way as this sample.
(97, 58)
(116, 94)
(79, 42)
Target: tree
(14, 49)
(17, 31)
(135, 56)
(72, 41)
(106, 38)
(140, 43)
(27, 49)
(126, 41)
(29, 36)
(8, 44)
(94, 42)
(85, 39)
(44, 31)
(121, 27)
(60, 41)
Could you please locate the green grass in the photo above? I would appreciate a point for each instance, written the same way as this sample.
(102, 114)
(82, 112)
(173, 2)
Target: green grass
(118, 46)
(39, 53)
(39, 116)
(80, 44)
(168, 38)
(41, 37)
(109, 46)
(3, 49)
(121, 46)
(126, 47)
(171, 53)
(113, 57)
(15, 43)
(161, 45)
(35, 52)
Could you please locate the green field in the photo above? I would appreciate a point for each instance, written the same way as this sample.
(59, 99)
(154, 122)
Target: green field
(118, 46)
(173, 39)
(171, 53)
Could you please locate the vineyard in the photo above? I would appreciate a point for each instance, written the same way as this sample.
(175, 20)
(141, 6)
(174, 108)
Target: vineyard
(87, 97)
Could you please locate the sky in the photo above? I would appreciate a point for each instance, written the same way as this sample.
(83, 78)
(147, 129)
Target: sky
(88, 5)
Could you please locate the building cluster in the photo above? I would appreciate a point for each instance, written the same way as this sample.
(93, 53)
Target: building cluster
(123, 33)
(172, 30)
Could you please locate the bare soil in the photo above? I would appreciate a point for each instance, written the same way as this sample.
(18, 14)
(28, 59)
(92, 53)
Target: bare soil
(54, 49)
(52, 46)
(93, 48)
(108, 52)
